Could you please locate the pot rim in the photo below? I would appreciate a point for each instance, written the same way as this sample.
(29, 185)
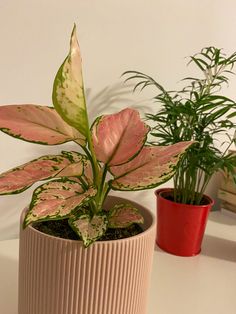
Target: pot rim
(159, 192)
(79, 242)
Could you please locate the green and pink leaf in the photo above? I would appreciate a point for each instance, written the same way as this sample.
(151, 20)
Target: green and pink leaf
(44, 168)
(57, 200)
(124, 215)
(37, 124)
(75, 168)
(153, 166)
(68, 90)
(88, 171)
(118, 137)
(89, 229)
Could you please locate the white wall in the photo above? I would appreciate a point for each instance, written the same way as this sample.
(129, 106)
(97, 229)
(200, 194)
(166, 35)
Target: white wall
(152, 36)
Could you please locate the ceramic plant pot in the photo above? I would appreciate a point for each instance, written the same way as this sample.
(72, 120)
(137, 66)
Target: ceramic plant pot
(59, 276)
(180, 227)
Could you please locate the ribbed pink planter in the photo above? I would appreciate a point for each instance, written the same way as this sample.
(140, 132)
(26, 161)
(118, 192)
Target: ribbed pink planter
(58, 276)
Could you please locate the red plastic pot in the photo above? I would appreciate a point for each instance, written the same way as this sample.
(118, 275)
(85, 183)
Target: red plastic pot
(180, 227)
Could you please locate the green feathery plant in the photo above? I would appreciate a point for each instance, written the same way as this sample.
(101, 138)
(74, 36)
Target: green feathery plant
(197, 112)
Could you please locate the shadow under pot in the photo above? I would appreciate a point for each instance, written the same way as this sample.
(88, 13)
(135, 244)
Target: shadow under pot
(180, 227)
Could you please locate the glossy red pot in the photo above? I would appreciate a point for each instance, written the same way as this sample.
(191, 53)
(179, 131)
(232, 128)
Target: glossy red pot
(180, 227)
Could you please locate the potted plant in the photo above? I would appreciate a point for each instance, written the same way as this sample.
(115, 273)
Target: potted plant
(82, 251)
(198, 112)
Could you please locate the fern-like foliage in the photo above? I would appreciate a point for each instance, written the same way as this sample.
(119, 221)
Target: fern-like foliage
(197, 112)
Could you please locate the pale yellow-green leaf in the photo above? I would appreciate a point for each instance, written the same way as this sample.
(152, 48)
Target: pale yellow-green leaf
(68, 89)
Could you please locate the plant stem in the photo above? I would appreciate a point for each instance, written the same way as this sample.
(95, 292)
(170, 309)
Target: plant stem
(101, 188)
(90, 151)
(106, 190)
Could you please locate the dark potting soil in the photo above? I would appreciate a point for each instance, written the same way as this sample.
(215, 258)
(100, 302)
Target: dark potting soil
(61, 229)
(169, 196)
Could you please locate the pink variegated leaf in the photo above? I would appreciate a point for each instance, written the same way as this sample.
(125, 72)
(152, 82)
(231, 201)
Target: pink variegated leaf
(57, 199)
(118, 137)
(81, 167)
(89, 229)
(37, 124)
(72, 170)
(153, 166)
(68, 90)
(124, 215)
(76, 166)
(43, 168)
(88, 171)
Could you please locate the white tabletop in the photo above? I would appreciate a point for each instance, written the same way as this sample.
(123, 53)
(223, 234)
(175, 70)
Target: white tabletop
(204, 284)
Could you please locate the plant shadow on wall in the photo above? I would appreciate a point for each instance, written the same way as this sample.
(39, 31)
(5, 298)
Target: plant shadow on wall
(110, 98)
